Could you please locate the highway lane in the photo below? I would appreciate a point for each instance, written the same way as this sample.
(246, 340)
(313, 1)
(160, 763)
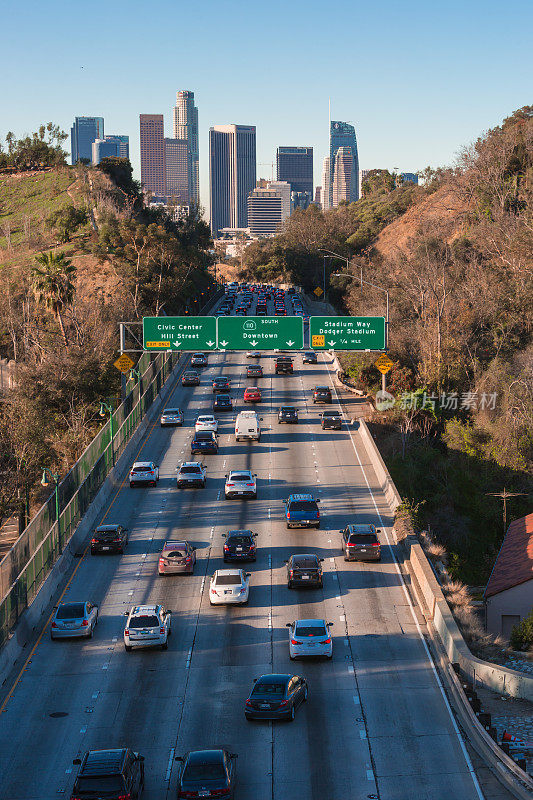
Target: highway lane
(375, 711)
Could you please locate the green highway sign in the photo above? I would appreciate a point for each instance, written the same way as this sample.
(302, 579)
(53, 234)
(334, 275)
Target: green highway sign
(179, 333)
(347, 333)
(262, 333)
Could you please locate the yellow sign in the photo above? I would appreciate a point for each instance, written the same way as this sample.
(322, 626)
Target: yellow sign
(318, 291)
(318, 341)
(383, 363)
(157, 344)
(123, 363)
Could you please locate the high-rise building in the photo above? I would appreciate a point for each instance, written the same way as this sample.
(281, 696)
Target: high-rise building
(110, 147)
(318, 196)
(326, 182)
(295, 165)
(409, 177)
(153, 167)
(83, 133)
(186, 127)
(232, 166)
(177, 169)
(342, 177)
(342, 134)
(268, 208)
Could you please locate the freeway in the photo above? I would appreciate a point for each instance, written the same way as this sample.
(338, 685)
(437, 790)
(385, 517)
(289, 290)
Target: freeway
(376, 723)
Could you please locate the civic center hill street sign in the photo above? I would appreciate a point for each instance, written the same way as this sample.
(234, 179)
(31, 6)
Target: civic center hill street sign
(347, 333)
(179, 333)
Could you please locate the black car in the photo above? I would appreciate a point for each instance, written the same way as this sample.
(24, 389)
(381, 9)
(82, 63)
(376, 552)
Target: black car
(109, 539)
(287, 414)
(190, 378)
(322, 394)
(240, 546)
(207, 773)
(222, 403)
(221, 384)
(284, 365)
(310, 357)
(276, 697)
(113, 774)
(254, 371)
(304, 570)
(204, 442)
(361, 543)
(331, 419)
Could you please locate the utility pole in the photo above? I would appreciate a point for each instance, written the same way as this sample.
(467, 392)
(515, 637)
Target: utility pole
(505, 496)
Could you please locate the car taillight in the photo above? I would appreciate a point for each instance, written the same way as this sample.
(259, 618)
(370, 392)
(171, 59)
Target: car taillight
(188, 560)
(248, 703)
(116, 540)
(226, 547)
(54, 625)
(161, 630)
(213, 591)
(219, 792)
(288, 514)
(252, 547)
(85, 623)
(94, 541)
(124, 796)
(375, 544)
(326, 641)
(230, 484)
(162, 561)
(291, 572)
(249, 484)
(283, 702)
(243, 590)
(295, 641)
(126, 632)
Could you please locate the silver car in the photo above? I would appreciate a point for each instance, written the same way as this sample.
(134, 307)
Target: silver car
(191, 473)
(171, 416)
(310, 638)
(229, 586)
(145, 473)
(240, 483)
(147, 626)
(74, 619)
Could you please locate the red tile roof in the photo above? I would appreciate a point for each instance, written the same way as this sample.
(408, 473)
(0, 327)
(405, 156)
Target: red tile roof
(514, 564)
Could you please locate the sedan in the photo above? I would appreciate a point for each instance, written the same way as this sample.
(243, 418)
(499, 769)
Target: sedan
(288, 414)
(145, 473)
(207, 773)
(221, 384)
(171, 416)
(276, 697)
(204, 442)
(199, 360)
(222, 402)
(229, 586)
(74, 619)
(177, 556)
(240, 483)
(253, 354)
(252, 395)
(206, 422)
(310, 637)
(310, 357)
(190, 378)
(321, 394)
(240, 546)
(254, 371)
(191, 473)
(109, 539)
(304, 570)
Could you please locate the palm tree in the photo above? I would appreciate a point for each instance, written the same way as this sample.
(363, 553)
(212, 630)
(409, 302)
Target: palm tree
(53, 285)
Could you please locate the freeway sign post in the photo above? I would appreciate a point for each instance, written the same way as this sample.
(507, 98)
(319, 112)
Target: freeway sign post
(347, 333)
(179, 333)
(262, 333)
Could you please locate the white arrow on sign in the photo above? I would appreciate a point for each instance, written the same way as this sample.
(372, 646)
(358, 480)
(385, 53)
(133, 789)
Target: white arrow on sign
(331, 343)
(254, 343)
(177, 344)
(223, 344)
(290, 343)
(210, 344)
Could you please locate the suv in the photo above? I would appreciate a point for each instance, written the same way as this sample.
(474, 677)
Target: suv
(109, 539)
(288, 414)
(310, 357)
(304, 569)
(331, 419)
(361, 543)
(301, 511)
(190, 378)
(145, 473)
(109, 773)
(239, 546)
(147, 626)
(321, 394)
(221, 385)
(284, 365)
(199, 360)
(191, 473)
(204, 442)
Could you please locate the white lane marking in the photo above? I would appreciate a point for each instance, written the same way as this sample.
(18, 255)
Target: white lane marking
(362, 733)
(130, 594)
(68, 771)
(369, 775)
(95, 695)
(357, 700)
(169, 768)
(115, 639)
(218, 495)
(189, 654)
(342, 617)
(105, 666)
(202, 585)
(346, 642)
(332, 560)
(83, 730)
(270, 620)
(269, 513)
(211, 534)
(428, 654)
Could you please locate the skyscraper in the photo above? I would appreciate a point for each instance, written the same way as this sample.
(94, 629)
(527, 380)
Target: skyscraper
(326, 183)
(342, 177)
(342, 134)
(83, 133)
(110, 147)
(295, 165)
(186, 127)
(177, 169)
(232, 170)
(153, 166)
(268, 208)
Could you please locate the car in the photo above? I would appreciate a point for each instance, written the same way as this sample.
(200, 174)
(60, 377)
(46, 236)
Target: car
(304, 569)
(221, 384)
(74, 619)
(284, 365)
(147, 626)
(144, 472)
(190, 378)
(310, 357)
(240, 546)
(206, 422)
(240, 312)
(252, 395)
(191, 473)
(222, 402)
(253, 353)
(229, 586)
(276, 697)
(361, 543)
(240, 483)
(288, 414)
(321, 394)
(114, 774)
(177, 556)
(261, 312)
(171, 416)
(310, 638)
(198, 360)
(301, 511)
(254, 371)
(207, 773)
(110, 538)
(204, 442)
(331, 419)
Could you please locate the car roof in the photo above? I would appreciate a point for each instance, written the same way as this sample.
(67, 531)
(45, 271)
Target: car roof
(275, 678)
(103, 762)
(228, 572)
(144, 610)
(361, 527)
(311, 623)
(205, 416)
(191, 464)
(205, 756)
(111, 526)
(298, 497)
(304, 557)
(239, 533)
(143, 463)
(242, 471)
(175, 543)
(322, 387)
(171, 409)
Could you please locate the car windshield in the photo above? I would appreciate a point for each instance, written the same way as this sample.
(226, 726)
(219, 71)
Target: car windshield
(106, 534)
(71, 610)
(204, 436)
(331, 413)
(240, 539)
(189, 470)
(145, 468)
(310, 630)
(308, 562)
(171, 411)
(321, 389)
(189, 375)
(239, 477)
(144, 621)
(228, 580)
(223, 399)
(99, 784)
(288, 409)
(197, 772)
(205, 419)
(362, 538)
(303, 505)
(174, 553)
(270, 689)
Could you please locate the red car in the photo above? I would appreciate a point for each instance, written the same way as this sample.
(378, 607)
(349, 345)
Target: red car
(252, 395)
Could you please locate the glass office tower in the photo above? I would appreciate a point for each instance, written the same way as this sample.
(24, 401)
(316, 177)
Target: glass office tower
(342, 134)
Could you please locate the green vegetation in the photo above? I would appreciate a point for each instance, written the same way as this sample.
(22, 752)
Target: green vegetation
(44, 148)
(522, 634)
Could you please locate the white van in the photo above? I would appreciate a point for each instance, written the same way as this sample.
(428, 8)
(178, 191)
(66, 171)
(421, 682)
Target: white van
(247, 426)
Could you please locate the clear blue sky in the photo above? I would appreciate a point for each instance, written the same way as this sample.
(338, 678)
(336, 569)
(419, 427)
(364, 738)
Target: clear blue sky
(417, 79)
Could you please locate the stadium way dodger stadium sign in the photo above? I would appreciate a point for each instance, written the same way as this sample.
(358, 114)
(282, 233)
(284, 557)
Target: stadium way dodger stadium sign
(347, 333)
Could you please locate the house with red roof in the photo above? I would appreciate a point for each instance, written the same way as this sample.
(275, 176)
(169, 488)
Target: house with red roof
(509, 592)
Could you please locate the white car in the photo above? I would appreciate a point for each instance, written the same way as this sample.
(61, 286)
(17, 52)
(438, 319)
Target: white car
(240, 483)
(144, 472)
(310, 637)
(206, 422)
(253, 354)
(147, 626)
(192, 473)
(229, 586)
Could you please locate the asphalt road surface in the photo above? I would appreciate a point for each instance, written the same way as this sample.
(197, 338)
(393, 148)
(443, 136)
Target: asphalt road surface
(376, 722)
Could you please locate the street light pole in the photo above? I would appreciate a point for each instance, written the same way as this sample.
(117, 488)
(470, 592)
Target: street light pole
(48, 475)
(103, 408)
